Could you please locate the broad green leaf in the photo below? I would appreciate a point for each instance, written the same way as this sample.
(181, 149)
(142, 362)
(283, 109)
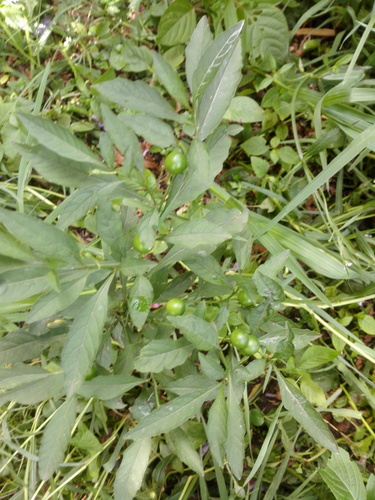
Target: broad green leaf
(269, 288)
(60, 170)
(58, 139)
(140, 296)
(366, 323)
(176, 24)
(267, 34)
(81, 201)
(305, 414)
(22, 283)
(217, 427)
(185, 451)
(161, 355)
(131, 266)
(137, 96)
(108, 386)
(132, 469)
(22, 346)
(153, 130)
(216, 56)
(10, 247)
(197, 331)
(312, 391)
(190, 383)
(85, 440)
(190, 234)
(343, 477)
(316, 355)
(84, 339)
(234, 444)
(171, 415)
(56, 438)
(199, 41)
(35, 391)
(218, 95)
(20, 374)
(43, 237)
(243, 109)
(255, 146)
(53, 302)
(210, 366)
(210, 270)
(124, 138)
(109, 227)
(170, 79)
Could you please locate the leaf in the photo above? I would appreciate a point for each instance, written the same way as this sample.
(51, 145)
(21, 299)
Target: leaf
(215, 57)
(22, 283)
(234, 444)
(366, 323)
(56, 438)
(20, 374)
(161, 355)
(35, 391)
(219, 93)
(199, 41)
(58, 139)
(131, 266)
(312, 391)
(153, 130)
(315, 356)
(343, 477)
(176, 24)
(22, 346)
(188, 384)
(132, 469)
(10, 247)
(140, 296)
(267, 34)
(137, 96)
(108, 386)
(217, 427)
(170, 79)
(210, 366)
(243, 109)
(53, 302)
(197, 331)
(60, 170)
(269, 288)
(43, 237)
(84, 339)
(305, 414)
(210, 270)
(190, 234)
(124, 138)
(85, 440)
(171, 415)
(185, 451)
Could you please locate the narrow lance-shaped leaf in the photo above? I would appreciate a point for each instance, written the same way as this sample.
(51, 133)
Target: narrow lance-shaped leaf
(159, 355)
(199, 41)
(217, 97)
(132, 469)
(56, 438)
(185, 451)
(305, 414)
(172, 414)
(43, 237)
(58, 139)
(234, 445)
(84, 339)
(141, 295)
(217, 427)
(197, 331)
(170, 79)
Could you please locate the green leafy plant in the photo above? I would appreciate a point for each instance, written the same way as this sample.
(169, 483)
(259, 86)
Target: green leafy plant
(245, 366)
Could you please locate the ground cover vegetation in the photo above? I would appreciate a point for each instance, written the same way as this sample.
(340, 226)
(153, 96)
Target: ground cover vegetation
(187, 252)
